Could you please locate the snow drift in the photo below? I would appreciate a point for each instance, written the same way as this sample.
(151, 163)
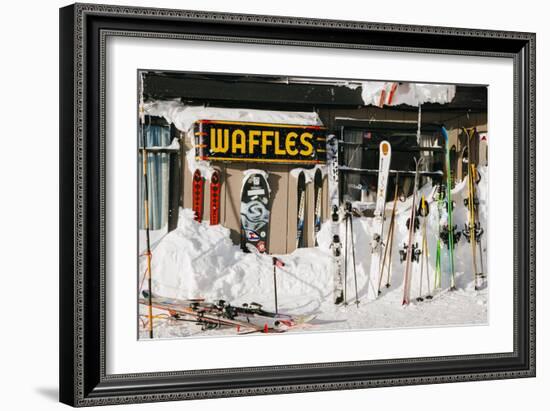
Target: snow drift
(199, 260)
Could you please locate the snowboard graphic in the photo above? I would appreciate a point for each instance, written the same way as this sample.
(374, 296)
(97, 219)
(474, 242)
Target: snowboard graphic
(255, 213)
(215, 190)
(301, 194)
(318, 194)
(198, 195)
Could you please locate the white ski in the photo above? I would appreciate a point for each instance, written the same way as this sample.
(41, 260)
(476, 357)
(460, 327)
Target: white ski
(336, 245)
(378, 221)
(332, 162)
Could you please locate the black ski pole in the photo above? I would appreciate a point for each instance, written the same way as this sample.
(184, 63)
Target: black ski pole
(348, 206)
(346, 261)
(146, 210)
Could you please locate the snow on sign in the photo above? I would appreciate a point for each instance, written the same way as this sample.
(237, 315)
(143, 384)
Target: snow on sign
(259, 142)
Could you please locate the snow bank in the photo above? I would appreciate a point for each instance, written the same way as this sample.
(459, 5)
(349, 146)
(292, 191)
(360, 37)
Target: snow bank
(199, 260)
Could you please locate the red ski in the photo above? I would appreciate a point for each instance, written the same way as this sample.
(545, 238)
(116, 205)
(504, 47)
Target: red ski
(215, 190)
(198, 195)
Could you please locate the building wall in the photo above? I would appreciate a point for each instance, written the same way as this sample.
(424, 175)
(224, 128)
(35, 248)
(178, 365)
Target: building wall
(283, 200)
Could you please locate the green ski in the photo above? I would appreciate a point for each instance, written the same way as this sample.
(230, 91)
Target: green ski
(450, 227)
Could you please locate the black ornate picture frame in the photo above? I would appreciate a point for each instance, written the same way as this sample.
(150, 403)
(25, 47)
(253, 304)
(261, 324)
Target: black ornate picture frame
(83, 32)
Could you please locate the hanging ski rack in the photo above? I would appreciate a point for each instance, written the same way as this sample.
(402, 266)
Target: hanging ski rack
(406, 173)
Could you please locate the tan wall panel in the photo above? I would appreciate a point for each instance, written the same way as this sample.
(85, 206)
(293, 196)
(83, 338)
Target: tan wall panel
(233, 179)
(292, 213)
(278, 181)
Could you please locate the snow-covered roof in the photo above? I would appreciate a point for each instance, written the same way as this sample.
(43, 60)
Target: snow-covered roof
(381, 93)
(184, 116)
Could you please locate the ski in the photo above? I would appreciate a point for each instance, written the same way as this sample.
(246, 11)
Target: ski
(439, 197)
(301, 201)
(423, 211)
(255, 213)
(333, 171)
(201, 313)
(389, 243)
(450, 231)
(336, 247)
(410, 252)
(472, 229)
(215, 190)
(378, 221)
(198, 195)
(317, 207)
(334, 201)
(212, 315)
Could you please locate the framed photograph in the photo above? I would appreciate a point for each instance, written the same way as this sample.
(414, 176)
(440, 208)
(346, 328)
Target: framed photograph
(261, 204)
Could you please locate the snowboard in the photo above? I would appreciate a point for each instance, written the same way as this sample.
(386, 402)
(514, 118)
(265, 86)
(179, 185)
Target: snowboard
(215, 191)
(198, 195)
(255, 213)
(317, 208)
(378, 221)
(301, 201)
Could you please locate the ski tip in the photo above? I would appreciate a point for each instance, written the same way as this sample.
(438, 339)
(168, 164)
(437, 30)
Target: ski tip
(429, 297)
(419, 299)
(405, 302)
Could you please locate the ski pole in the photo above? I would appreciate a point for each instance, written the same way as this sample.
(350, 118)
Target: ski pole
(389, 241)
(348, 205)
(146, 210)
(346, 260)
(275, 283)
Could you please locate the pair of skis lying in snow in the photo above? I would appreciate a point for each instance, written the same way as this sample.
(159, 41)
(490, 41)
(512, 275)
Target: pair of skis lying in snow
(249, 318)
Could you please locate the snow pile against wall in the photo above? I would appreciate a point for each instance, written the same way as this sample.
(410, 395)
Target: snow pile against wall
(380, 93)
(199, 260)
(184, 116)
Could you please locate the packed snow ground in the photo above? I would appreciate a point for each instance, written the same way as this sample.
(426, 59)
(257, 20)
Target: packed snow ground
(199, 260)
